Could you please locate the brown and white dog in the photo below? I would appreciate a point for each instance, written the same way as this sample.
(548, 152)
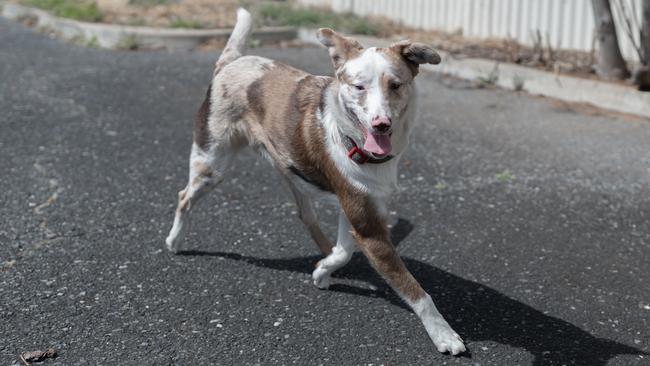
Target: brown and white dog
(338, 138)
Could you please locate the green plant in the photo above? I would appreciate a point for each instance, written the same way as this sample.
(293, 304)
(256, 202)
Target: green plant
(490, 79)
(84, 10)
(150, 2)
(505, 176)
(92, 42)
(87, 42)
(184, 23)
(128, 43)
(440, 186)
(254, 43)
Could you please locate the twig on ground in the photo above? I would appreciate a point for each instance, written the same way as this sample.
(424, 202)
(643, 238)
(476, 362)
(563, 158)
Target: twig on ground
(37, 356)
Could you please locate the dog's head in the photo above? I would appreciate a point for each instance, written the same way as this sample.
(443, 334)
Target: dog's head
(376, 84)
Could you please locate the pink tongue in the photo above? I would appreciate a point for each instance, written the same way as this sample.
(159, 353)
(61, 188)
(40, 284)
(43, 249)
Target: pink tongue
(377, 144)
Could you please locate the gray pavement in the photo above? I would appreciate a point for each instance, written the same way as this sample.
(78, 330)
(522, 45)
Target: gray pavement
(528, 222)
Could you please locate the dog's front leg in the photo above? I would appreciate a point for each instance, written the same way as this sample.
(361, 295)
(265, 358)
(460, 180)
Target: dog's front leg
(371, 233)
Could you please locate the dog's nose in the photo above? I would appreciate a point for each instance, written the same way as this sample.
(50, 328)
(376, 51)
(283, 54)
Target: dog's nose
(381, 124)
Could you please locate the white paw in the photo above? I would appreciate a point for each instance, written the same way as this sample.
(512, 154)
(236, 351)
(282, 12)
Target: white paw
(176, 234)
(446, 340)
(171, 245)
(321, 279)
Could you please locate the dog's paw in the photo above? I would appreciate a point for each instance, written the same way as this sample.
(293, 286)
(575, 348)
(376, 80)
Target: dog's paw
(321, 279)
(323, 283)
(446, 340)
(176, 234)
(171, 245)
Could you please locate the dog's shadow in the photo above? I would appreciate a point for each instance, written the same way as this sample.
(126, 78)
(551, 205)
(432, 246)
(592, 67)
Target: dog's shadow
(474, 310)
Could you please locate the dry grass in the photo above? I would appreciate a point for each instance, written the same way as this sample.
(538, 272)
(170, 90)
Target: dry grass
(164, 13)
(221, 14)
(505, 50)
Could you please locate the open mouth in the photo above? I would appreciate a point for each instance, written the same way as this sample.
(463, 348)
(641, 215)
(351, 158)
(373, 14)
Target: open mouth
(378, 144)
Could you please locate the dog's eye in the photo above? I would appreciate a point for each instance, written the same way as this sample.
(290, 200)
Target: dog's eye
(359, 87)
(395, 86)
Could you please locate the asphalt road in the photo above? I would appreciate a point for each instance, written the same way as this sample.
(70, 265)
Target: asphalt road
(527, 221)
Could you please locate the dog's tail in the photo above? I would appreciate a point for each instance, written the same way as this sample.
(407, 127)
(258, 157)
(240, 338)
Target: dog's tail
(237, 42)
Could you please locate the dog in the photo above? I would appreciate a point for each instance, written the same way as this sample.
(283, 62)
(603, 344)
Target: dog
(335, 138)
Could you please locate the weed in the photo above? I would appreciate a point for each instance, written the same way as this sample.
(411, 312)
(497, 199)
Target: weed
(128, 43)
(150, 2)
(83, 41)
(490, 79)
(92, 42)
(254, 43)
(487, 80)
(185, 23)
(505, 176)
(440, 186)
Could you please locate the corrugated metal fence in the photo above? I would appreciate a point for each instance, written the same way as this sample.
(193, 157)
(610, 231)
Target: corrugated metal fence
(568, 24)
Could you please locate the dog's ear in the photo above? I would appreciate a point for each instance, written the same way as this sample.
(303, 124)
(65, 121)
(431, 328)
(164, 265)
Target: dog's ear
(416, 53)
(340, 48)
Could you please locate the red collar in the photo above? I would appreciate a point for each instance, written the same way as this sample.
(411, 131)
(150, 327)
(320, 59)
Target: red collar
(357, 155)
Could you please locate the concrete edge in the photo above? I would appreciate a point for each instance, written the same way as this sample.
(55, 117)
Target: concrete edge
(113, 36)
(602, 94)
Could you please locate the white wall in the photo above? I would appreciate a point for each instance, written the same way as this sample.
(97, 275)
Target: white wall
(568, 23)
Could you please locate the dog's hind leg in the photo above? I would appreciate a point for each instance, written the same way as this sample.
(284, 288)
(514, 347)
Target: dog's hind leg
(206, 171)
(308, 216)
(339, 257)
